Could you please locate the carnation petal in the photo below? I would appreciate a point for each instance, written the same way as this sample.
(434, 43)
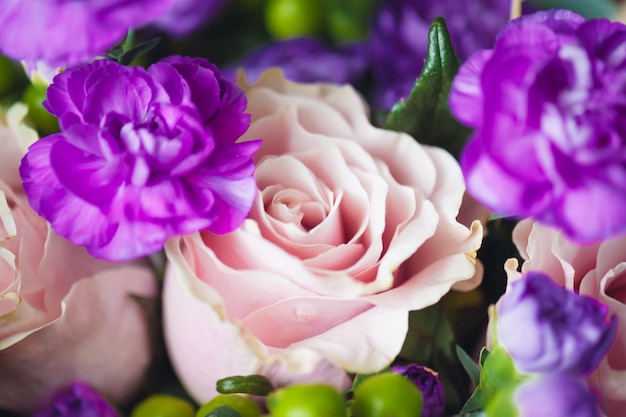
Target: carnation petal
(466, 95)
(590, 212)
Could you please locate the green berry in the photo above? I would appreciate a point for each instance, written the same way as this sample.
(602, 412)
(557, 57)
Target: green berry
(45, 123)
(345, 27)
(245, 406)
(306, 400)
(163, 405)
(286, 19)
(387, 395)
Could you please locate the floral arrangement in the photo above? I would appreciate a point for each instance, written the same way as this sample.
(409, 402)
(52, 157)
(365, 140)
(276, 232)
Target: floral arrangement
(312, 208)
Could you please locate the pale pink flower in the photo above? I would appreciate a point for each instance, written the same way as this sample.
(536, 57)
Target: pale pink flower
(598, 271)
(64, 315)
(353, 227)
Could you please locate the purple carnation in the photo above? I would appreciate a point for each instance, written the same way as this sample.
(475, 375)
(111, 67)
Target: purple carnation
(430, 387)
(186, 16)
(142, 155)
(78, 400)
(546, 328)
(305, 60)
(64, 32)
(555, 395)
(399, 38)
(548, 105)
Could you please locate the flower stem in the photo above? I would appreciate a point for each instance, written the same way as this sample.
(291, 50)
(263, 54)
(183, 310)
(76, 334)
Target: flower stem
(516, 9)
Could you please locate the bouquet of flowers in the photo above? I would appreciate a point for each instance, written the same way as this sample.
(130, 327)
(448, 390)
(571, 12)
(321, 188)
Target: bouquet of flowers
(312, 208)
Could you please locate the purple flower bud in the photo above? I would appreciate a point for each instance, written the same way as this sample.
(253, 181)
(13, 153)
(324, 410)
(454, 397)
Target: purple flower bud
(547, 108)
(78, 400)
(546, 328)
(143, 155)
(555, 395)
(430, 386)
(305, 60)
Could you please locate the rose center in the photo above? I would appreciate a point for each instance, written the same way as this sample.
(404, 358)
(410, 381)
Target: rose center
(296, 207)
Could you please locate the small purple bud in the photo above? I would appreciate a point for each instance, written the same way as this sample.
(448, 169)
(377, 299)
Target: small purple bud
(546, 328)
(428, 382)
(77, 400)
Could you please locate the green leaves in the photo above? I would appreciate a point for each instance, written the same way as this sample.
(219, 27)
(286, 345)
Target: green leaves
(125, 54)
(498, 378)
(425, 114)
(472, 369)
(430, 342)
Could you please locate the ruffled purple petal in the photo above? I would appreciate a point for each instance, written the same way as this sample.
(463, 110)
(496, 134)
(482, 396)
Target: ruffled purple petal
(70, 32)
(142, 156)
(548, 103)
(466, 95)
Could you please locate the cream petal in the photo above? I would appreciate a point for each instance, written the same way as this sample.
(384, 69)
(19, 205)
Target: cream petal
(100, 335)
(197, 327)
(296, 318)
(610, 254)
(541, 257)
(202, 344)
(322, 372)
(427, 286)
(367, 343)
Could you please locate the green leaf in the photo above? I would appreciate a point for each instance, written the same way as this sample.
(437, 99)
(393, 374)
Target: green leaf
(472, 414)
(484, 352)
(430, 342)
(472, 369)
(223, 411)
(498, 371)
(136, 51)
(115, 53)
(475, 403)
(249, 384)
(502, 403)
(425, 114)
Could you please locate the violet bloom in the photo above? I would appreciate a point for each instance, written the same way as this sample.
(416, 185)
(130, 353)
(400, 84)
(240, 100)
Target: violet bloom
(546, 328)
(186, 16)
(548, 106)
(142, 155)
(78, 400)
(430, 386)
(305, 60)
(555, 395)
(64, 32)
(399, 38)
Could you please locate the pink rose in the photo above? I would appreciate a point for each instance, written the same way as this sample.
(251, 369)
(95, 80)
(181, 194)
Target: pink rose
(353, 227)
(598, 271)
(64, 315)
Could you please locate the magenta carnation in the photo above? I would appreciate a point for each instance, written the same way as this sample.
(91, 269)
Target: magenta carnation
(142, 155)
(64, 32)
(548, 106)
